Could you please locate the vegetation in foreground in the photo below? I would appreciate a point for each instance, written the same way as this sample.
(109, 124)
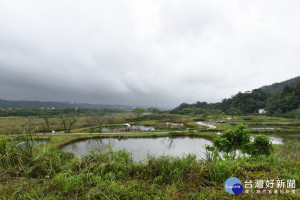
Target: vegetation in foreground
(44, 172)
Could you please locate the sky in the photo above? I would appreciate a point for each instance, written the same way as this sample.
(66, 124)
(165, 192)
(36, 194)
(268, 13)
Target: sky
(141, 52)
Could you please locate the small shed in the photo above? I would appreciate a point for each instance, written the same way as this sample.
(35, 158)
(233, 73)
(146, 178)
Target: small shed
(261, 111)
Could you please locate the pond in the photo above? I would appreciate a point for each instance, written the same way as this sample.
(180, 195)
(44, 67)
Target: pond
(143, 128)
(274, 139)
(142, 147)
(207, 125)
(134, 127)
(266, 127)
(174, 124)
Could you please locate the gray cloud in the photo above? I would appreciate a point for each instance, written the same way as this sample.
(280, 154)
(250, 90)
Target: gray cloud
(134, 52)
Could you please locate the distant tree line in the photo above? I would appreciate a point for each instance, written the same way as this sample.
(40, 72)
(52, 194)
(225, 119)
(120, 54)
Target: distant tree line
(282, 103)
(25, 112)
(55, 104)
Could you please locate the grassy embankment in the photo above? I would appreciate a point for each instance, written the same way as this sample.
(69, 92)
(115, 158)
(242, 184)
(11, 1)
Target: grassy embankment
(47, 173)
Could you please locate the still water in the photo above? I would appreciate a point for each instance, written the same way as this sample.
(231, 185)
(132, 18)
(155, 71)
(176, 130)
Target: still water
(142, 147)
(274, 139)
(266, 127)
(135, 127)
(143, 128)
(208, 125)
(174, 124)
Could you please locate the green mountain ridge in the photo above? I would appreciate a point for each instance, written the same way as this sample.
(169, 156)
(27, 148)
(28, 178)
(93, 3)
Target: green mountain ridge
(278, 87)
(278, 99)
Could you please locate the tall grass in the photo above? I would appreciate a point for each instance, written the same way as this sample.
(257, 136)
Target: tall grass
(17, 151)
(114, 175)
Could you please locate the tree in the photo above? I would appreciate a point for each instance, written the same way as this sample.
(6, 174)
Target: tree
(261, 145)
(169, 119)
(109, 119)
(154, 110)
(187, 110)
(100, 118)
(198, 111)
(68, 121)
(232, 111)
(283, 102)
(91, 123)
(297, 90)
(96, 121)
(138, 112)
(232, 140)
(45, 117)
(205, 115)
(72, 120)
(218, 113)
(29, 126)
(63, 121)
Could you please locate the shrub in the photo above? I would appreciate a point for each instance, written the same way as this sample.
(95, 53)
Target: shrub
(232, 140)
(261, 145)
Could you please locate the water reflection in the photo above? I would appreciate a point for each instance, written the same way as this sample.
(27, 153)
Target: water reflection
(174, 124)
(274, 139)
(265, 128)
(141, 147)
(143, 128)
(135, 127)
(208, 125)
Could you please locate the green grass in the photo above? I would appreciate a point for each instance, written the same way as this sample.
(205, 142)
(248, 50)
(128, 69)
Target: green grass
(15, 125)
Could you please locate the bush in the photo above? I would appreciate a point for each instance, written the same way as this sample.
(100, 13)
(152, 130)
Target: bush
(232, 140)
(261, 145)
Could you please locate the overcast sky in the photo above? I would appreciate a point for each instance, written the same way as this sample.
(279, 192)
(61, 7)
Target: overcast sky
(136, 52)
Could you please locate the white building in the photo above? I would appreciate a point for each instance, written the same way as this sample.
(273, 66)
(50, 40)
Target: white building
(261, 111)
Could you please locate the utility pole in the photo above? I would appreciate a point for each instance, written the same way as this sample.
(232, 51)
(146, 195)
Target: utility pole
(156, 108)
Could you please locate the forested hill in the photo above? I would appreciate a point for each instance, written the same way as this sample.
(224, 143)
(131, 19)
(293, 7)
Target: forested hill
(278, 87)
(285, 102)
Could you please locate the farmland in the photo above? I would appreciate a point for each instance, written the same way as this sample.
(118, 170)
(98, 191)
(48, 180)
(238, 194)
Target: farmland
(45, 172)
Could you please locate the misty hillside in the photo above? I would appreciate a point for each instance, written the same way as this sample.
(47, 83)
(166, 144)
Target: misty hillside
(277, 87)
(276, 99)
